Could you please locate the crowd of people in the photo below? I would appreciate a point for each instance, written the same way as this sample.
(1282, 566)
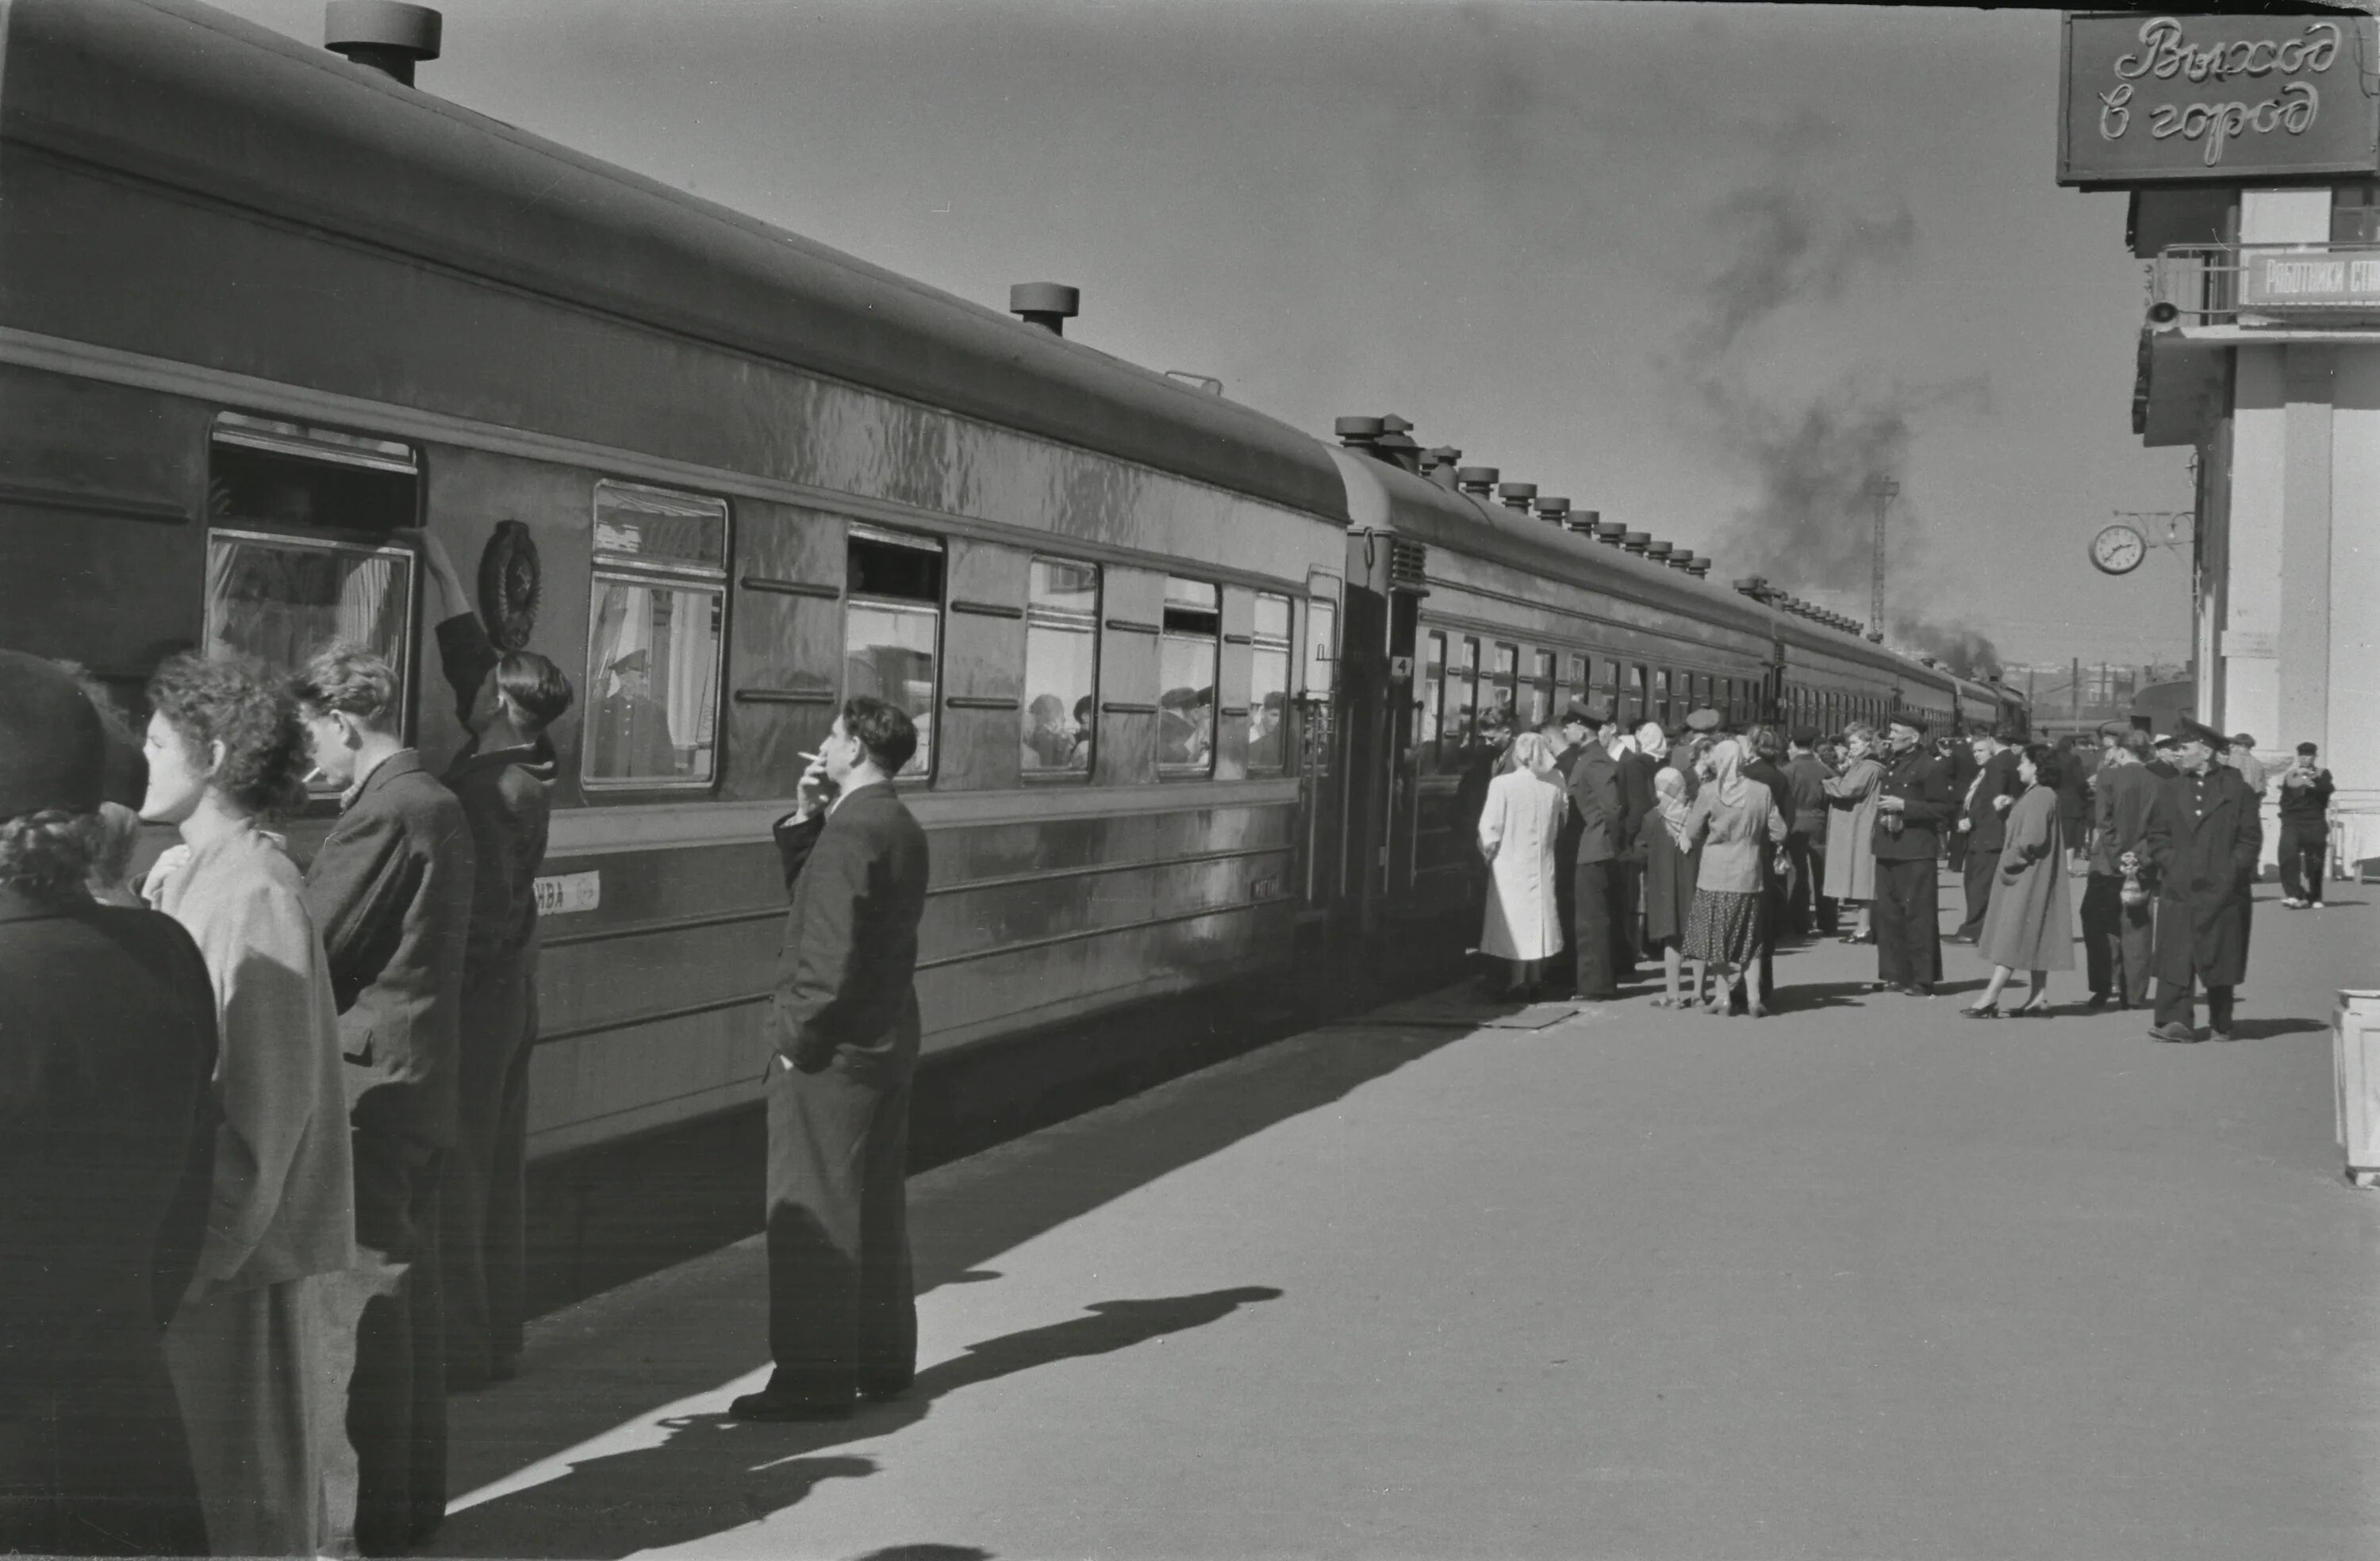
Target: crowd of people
(1706, 846)
(263, 1129)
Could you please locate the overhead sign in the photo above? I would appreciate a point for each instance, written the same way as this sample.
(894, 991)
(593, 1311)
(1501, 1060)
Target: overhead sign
(2310, 279)
(2150, 100)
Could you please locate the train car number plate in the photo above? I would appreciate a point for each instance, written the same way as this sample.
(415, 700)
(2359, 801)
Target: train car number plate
(565, 892)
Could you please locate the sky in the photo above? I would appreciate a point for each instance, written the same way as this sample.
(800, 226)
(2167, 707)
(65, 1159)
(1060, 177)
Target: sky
(1703, 268)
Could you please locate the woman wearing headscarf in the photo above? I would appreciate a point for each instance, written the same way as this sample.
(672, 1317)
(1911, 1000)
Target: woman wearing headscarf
(256, 1345)
(2027, 925)
(107, 1033)
(1737, 824)
(1520, 822)
(1851, 798)
(1670, 871)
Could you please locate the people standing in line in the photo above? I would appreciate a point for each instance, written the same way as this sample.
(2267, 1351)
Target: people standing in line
(1763, 746)
(2028, 924)
(504, 780)
(844, 1029)
(1640, 756)
(1914, 805)
(2119, 926)
(390, 889)
(1735, 822)
(1853, 798)
(1671, 871)
(1813, 915)
(2305, 830)
(260, 1342)
(107, 1041)
(2203, 839)
(1593, 806)
(1991, 789)
(1520, 826)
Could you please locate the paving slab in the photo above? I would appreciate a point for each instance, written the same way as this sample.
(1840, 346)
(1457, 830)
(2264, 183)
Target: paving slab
(1861, 1279)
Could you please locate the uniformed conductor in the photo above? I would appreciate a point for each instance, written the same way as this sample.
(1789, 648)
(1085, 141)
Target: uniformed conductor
(1917, 802)
(2205, 837)
(841, 1320)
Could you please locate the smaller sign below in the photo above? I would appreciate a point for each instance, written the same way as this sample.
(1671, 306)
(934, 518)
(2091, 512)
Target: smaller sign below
(2257, 644)
(2310, 279)
(564, 893)
(1264, 889)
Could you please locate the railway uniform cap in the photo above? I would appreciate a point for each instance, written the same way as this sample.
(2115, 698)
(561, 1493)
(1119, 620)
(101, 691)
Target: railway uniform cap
(1805, 736)
(2189, 731)
(1586, 712)
(1703, 719)
(2163, 739)
(53, 745)
(1910, 719)
(2114, 727)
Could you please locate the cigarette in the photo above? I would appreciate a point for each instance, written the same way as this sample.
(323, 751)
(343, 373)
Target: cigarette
(799, 754)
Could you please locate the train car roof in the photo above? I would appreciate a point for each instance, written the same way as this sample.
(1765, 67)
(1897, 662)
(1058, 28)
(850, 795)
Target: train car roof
(1390, 498)
(180, 93)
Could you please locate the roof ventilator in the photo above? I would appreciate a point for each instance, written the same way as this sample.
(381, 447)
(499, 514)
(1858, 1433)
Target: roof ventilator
(1551, 511)
(1475, 481)
(1047, 303)
(1518, 495)
(384, 35)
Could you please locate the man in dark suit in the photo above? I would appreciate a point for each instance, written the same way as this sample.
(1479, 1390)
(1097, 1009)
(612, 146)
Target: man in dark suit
(1594, 812)
(1767, 745)
(391, 889)
(1637, 768)
(843, 1022)
(1805, 840)
(1958, 751)
(2118, 937)
(1991, 789)
(1572, 733)
(2204, 838)
(1914, 806)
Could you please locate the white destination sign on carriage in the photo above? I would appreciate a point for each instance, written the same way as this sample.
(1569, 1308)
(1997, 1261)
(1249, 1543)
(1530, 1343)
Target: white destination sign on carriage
(565, 892)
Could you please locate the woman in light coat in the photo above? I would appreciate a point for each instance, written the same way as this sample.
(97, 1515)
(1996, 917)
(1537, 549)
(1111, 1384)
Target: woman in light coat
(1737, 825)
(1851, 799)
(2028, 926)
(1519, 823)
(257, 1347)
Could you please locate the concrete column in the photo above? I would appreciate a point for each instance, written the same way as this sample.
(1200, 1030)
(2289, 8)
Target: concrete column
(2249, 644)
(2350, 733)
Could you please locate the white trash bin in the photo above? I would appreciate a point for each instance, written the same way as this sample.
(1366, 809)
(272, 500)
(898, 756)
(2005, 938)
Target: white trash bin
(2355, 1058)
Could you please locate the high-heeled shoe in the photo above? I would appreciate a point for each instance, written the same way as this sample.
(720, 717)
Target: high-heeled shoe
(1986, 1011)
(2037, 1009)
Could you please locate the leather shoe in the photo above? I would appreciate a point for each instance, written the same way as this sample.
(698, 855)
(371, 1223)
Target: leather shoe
(2098, 1000)
(2221, 1035)
(1914, 989)
(765, 1406)
(2177, 1032)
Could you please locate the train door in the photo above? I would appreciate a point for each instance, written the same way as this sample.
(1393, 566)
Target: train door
(1321, 795)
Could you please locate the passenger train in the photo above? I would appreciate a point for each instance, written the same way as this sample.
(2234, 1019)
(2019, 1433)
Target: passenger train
(1197, 687)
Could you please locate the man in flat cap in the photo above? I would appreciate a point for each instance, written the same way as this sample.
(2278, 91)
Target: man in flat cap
(2160, 761)
(1594, 813)
(2305, 830)
(2204, 838)
(1707, 721)
(1914, 804)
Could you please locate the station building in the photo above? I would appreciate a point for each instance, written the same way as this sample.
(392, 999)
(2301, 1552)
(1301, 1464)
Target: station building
(2249, 147)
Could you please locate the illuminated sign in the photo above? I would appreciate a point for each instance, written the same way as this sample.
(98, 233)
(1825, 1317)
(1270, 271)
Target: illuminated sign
(2149, 100)
(2310, 279)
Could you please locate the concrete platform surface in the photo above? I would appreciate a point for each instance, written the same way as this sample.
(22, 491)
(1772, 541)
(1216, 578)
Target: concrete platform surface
(1863, 1279)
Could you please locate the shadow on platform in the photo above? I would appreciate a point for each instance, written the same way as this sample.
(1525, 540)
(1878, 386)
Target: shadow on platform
(711, 1474)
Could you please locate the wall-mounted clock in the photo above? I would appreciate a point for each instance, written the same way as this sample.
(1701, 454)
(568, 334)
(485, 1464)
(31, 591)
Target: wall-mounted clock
(2119, 549)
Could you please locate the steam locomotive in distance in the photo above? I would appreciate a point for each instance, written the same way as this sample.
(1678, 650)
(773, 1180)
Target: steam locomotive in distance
(1192, 682)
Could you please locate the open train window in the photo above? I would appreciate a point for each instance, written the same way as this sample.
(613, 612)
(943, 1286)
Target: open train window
(1185, 665)
(300, 548)
(1427, 739)
(656, 620)
(1541, 689)
(1061, 667)
(1269, 686)
(893, 627)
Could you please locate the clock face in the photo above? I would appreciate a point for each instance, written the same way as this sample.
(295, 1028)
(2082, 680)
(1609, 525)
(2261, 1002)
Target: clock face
(2119, 549)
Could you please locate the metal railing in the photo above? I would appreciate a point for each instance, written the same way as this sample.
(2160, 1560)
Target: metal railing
(2241, 283)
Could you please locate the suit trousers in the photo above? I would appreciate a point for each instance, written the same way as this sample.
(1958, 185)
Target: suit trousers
(2305, 854)
(1627, 918)
(843, 1319)
(482, 1220)
(1813, 912)
(1982, 867)
(396, 1398)
(1907, 920)
(2173, 1004)
(2117, 941)
(1595, 939)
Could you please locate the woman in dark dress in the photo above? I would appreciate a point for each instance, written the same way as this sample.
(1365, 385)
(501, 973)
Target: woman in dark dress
(107, 1044)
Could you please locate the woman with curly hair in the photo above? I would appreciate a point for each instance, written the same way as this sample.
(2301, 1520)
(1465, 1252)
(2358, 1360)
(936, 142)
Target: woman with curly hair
(107, 1032)
(255, 1344)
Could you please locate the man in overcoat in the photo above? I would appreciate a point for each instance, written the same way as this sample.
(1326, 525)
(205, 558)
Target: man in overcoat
(2118, 938)
(1572, 733)
(843, 1322)
(2204, 837)
(1638, 765)
(391, 889)
(1594, 812)
(1991, 789)
(1805, 840)
(1915, 804)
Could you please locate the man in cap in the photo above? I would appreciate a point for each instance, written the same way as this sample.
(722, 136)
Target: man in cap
(2241, 757)
(2305, 830)
(1594, 813)
(2117, 932)
(2160, 761)
(1572, 733)
(2204, 837)
(1914, 802)
(1639, 761)
(629, 734)
(1805, 840)
(1706, 722)
(1992, 789)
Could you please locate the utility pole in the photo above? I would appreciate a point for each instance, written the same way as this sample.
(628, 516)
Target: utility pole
(1884, 490)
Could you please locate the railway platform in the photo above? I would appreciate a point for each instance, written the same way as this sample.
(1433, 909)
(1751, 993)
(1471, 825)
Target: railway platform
(1862, 1280)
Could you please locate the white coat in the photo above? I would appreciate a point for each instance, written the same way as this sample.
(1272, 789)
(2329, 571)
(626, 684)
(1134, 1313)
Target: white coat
(1518, 826)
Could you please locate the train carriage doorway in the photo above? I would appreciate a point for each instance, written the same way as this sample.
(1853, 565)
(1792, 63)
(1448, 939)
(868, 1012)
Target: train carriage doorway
(1321, 796)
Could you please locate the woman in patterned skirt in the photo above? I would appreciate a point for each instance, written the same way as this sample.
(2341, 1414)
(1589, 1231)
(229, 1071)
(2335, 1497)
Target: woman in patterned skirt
(1737, 824)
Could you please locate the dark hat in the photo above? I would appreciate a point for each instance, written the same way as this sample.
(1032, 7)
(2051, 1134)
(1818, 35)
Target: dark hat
(635, 660)
(1913, 720)
(2163, 739)
(1705, 720)
(2114, 727)
(2189, 731)
(2244, 740)
(52, 748)
(1592, 712)
(2308, 749)
(1806, 736)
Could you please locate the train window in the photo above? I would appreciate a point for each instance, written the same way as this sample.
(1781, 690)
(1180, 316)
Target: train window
(1185, 722)
(893, 627)
(1606, 686)
(1269, 686)
(1505, 695)
(1061, 667)
(1661, 695)
(659, 603)
(1541, 689)
(1640, 700)
(1433, 698)
(280, 598)
(1578, 680)
(1321, 646)
(1462, 703)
